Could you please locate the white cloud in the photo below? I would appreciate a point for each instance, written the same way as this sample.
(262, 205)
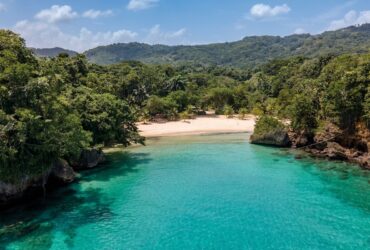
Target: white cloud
(141, 4)
(157, 36)
(178, 33)
(93, 14)
(263, 10)
(56, 14)
(45, 35)
(351, 18)
(300, 31)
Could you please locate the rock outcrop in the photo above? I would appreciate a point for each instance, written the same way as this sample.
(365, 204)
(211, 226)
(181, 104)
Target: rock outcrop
(59, 173)
(62, 172)
(10, 192)
(89, 159)
(278, 138)
(334, 144)
(270, 131)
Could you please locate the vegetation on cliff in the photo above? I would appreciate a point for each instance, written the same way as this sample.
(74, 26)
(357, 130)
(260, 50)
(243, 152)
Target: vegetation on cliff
(49, 109)
(266, 124)
(270, 131)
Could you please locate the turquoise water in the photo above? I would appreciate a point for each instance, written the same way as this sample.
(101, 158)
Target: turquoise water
(200, 192)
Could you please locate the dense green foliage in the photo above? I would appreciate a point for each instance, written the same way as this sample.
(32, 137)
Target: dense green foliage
(305, 91)
(267, 124)
(51, 109)
(54, 108)
(249, 52)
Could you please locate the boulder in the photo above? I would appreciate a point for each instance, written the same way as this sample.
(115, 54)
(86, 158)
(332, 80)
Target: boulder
(335, 151)
(277, 138)
(364, 161)
(62, 171)
(302, 141)
(89, 158)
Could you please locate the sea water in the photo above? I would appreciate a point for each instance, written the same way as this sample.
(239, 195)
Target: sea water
(200, 192)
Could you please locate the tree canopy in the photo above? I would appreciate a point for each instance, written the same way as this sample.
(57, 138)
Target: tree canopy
(55, 107)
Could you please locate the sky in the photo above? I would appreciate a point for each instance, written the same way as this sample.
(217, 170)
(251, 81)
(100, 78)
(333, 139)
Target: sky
(83, 24)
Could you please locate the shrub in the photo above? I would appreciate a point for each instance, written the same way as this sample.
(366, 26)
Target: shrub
(228, 111)
(266, 124)
(242, 113)
(257, 111)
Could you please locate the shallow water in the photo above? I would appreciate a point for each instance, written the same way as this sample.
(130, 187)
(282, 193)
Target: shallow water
(200, 192)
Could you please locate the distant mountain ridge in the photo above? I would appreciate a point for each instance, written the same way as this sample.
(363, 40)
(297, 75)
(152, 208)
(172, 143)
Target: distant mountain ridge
(52, 52)
(248, 52)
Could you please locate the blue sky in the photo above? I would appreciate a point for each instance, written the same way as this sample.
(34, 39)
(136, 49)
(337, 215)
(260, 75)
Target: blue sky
(83, 24)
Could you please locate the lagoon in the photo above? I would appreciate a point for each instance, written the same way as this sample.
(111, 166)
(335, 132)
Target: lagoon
(200, 192)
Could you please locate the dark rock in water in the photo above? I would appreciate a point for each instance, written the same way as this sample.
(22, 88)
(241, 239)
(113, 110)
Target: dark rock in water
(363, 160)
(62, 171)
(89, 159)
(11, 192)
(278, 138)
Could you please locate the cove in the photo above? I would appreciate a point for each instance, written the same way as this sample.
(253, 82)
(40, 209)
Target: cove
(200, 192)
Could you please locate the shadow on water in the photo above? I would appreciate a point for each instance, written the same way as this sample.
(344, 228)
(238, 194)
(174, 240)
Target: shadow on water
(347, 182)
(117, 164)
(33, 225)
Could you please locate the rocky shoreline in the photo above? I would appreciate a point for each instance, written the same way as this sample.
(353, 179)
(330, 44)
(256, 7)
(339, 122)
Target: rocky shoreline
(60, 173)
(335, 144)
(331, 143)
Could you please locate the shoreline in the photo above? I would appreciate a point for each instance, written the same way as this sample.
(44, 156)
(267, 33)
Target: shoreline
(212, 124)
(208, 124)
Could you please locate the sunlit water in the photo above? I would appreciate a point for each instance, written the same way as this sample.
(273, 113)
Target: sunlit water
(200, 192)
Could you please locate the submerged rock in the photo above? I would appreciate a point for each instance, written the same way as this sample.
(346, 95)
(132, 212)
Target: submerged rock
(89, 158)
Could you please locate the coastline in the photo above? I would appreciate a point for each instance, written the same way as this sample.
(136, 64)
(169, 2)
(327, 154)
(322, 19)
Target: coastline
(208, 124)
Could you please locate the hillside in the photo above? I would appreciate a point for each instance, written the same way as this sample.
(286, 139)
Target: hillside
(52, 52)
(250, 51)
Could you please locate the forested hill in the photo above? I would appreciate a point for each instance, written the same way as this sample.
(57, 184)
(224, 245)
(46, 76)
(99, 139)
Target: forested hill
(52, 52)
(250, 51)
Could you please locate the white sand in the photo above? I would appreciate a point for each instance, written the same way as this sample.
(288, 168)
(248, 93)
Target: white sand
(200, 125)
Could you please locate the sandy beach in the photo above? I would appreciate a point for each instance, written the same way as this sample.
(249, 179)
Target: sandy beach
(199, 125)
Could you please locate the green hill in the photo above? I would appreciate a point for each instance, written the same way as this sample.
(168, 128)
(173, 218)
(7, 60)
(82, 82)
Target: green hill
(250, 51)
(52, 52)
